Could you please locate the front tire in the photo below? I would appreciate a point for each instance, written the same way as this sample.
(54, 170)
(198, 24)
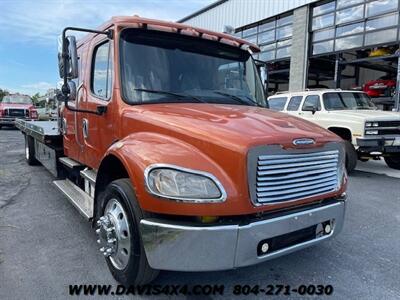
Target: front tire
(351, 156)
(30, 151)
(119, 223)
(393, 162)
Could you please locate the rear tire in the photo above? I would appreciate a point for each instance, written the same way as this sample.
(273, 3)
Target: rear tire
(351, 156)
(393, 162)
(135, 270)
(30, 151)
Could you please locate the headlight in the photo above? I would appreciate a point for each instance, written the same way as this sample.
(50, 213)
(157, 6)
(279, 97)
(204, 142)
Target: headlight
(371, 132)
(177, 183)
(371, 124)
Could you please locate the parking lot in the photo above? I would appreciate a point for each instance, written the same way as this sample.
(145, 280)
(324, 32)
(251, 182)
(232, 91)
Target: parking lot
(45, 245)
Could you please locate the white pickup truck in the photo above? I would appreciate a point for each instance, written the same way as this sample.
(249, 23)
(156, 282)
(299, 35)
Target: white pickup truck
(370, 133)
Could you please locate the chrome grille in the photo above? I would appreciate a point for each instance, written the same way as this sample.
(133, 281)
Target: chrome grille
(286, 177)
(15, 112)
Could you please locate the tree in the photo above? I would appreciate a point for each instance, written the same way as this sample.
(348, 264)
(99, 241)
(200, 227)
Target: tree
(35, 99)
(3, 93)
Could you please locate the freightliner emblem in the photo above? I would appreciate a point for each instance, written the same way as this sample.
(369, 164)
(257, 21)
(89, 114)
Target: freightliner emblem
(304, 141)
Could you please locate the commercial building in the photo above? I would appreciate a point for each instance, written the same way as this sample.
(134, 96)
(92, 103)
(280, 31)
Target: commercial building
(349, 44)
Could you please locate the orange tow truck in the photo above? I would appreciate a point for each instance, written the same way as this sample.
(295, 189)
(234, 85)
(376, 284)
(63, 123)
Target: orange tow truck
(166, 144)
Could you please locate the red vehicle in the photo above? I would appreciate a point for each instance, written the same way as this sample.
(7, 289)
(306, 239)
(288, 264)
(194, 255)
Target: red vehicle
(165, 144)
(382, 87)
(14, 107)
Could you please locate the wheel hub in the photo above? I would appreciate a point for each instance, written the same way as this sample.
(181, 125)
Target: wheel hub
(107, 237)
(114, 235)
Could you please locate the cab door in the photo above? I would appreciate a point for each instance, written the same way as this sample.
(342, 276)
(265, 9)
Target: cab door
(71, 126)
(98, 130)
(310, 108)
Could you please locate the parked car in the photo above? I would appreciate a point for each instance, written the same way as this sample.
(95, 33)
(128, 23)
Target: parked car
(14, 107)
(382, 87)
(368, 132)
(173, 157)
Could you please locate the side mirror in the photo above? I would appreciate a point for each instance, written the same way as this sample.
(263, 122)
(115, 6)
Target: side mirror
(71, 63)
(72, 90)
(311, 108)
(69, 92)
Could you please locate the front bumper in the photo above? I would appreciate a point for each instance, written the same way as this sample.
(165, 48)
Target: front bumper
(11, 120)
(178, 247)
(383, 144)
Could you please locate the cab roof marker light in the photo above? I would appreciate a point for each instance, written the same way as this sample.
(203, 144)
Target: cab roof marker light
(190, 32)
(229, 42)
(210, 37)
(161, 28)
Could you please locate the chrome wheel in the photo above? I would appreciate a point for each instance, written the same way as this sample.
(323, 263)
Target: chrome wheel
(114, 235)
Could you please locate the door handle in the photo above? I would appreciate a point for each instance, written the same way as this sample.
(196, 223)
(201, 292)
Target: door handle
(85, 128)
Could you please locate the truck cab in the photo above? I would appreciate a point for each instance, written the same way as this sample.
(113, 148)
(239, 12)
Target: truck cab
(16, 106)
(368, 133)
(165, 144)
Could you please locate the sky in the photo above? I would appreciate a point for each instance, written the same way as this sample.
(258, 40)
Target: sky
(29, 31)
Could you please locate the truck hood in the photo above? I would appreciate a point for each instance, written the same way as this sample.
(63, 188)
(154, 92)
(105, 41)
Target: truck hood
(15, 105)
(235, 127)
(366, 115)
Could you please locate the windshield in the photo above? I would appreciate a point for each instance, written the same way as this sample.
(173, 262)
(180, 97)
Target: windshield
(166, 67)
(17, 99)
(348, 100)
(277, 103)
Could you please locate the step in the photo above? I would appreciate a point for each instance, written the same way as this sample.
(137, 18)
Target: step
(70, 163)
(82, 201)
(89, 174)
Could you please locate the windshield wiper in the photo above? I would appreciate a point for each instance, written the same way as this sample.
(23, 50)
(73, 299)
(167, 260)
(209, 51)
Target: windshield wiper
(180, 95)
(238, 99)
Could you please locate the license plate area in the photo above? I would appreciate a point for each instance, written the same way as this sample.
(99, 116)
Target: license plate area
(287, 240)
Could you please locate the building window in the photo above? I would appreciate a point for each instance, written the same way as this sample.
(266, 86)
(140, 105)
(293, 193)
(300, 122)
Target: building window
(347, 3)
(266, 26)
(324, 8)
(284, 32)
(102, 71)
(349, 42)
(251, 39)
(274, 37)
(249, 31)
(350, 14)
(350, 29)
(380, 37)
(323, 47)
(266, 56)
(284, 21)
(284, 43)
(283, 52)
(382, 22)
(323, 21)
(324, 34)
(354, 24)
(266, 37)
(381, 6)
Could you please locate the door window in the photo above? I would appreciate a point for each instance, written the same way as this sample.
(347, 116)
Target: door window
(102, 71)
(294, 103)
(313, 101)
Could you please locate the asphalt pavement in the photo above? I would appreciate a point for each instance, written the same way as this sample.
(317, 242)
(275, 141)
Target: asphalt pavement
(45, 245)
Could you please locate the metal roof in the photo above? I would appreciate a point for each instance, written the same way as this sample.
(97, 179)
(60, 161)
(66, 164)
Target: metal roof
(238, 13)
